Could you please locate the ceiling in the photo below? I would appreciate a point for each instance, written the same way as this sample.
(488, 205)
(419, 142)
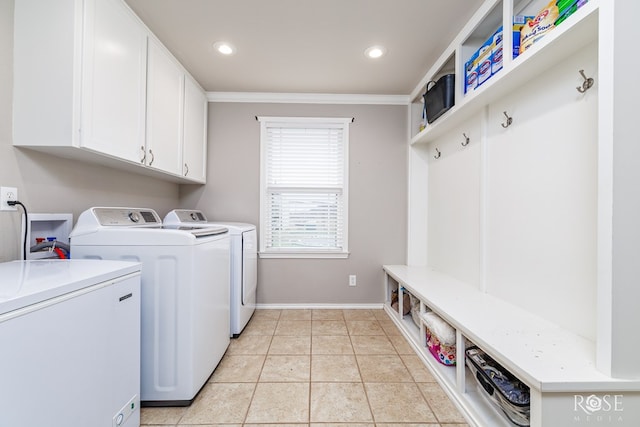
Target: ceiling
(307, 46)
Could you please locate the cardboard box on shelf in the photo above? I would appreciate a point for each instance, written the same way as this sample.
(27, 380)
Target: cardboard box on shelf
(488, 59)
(536, 28)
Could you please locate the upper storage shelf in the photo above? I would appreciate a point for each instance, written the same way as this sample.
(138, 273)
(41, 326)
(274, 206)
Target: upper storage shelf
(577, 31)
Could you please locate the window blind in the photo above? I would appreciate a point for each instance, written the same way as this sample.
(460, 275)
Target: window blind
(304, 188)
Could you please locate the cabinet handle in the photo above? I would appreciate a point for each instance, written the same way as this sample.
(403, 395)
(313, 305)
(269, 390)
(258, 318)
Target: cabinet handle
(152, 157)
(144, 155)
(186, 169)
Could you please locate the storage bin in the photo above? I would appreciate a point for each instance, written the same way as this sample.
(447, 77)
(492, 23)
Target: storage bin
(503, 389)
(439, 96)
(441, 339)
(415, 309)
(406, 302)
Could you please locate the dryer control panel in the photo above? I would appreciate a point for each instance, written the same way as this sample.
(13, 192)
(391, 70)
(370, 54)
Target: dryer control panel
(180, 216)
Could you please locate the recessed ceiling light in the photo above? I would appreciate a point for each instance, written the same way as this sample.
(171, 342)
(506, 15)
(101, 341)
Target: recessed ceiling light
(375, 52)
(224, 48)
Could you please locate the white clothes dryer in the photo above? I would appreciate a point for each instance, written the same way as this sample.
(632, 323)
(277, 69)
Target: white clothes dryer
(184, 295)
(244, 262)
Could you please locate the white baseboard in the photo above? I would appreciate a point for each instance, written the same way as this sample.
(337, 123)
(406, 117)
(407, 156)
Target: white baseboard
(320, 306)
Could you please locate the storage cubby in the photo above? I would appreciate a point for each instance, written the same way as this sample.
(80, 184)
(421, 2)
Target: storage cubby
(478, 45)
(407, 319)
(528, 7)
(391, 287)
(47, 226)
(446, 65)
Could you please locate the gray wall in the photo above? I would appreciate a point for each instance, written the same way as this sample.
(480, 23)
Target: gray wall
(378, 193)
(48, 184)
(377, 198)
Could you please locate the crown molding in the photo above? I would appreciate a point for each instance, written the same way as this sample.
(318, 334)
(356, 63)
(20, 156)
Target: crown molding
(307, 98)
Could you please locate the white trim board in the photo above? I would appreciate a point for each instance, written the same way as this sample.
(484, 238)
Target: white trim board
(307, 98)
(320, 306)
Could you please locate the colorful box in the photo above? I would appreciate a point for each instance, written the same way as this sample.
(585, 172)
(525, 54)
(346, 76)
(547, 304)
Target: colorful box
(484, 61)
(567, 8)
(518, 23)
(440, 338)
(488, 59)
(536, 28)
(497, 52)
(471, 73)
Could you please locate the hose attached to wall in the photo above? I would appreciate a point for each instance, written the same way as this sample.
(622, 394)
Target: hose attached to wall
(58, 247)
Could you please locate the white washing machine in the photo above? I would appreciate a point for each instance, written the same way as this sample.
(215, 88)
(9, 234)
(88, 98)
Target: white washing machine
(185, 295)
(244, 262)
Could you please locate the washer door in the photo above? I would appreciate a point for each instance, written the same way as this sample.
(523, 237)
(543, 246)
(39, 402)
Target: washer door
(249, 267)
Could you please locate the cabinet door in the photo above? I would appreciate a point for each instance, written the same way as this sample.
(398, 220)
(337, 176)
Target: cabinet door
(113, 80)
(195, 132)
(165, 88)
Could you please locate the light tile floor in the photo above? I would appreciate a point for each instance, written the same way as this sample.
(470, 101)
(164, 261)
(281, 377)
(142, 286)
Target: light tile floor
(317, 368)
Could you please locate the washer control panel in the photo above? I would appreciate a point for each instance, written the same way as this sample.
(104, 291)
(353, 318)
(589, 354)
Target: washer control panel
(126, 217)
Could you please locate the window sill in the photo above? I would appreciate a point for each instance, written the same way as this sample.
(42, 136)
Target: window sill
(322, 255)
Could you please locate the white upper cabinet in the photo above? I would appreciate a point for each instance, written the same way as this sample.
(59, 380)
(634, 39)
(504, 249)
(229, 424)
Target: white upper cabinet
(195, 132)
(92, 83)
(165, 86)
(113, 80)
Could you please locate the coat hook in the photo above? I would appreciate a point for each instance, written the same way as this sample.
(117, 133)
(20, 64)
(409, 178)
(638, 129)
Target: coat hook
(509, 120)
(466, 140)
(438, 154)
(586, 84)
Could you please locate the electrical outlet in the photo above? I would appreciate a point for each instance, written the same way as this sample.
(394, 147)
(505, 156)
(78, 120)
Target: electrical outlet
(352, 280)
(8, 194)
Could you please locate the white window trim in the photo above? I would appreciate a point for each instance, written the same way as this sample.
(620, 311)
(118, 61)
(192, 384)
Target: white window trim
(302, 253)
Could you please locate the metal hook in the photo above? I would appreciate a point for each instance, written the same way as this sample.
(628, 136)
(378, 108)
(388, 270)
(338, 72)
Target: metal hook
(586, 84)
(466, 140)
(509, 120)
(437, 156)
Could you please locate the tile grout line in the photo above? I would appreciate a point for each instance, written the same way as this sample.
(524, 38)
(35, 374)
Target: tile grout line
(253, 394)
(255, 388)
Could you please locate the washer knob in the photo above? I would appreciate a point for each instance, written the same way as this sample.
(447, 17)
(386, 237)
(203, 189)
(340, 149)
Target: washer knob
(133, 216)
(193, 216)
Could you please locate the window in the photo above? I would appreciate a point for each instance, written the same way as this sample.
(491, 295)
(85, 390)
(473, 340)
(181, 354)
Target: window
(304, 183)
